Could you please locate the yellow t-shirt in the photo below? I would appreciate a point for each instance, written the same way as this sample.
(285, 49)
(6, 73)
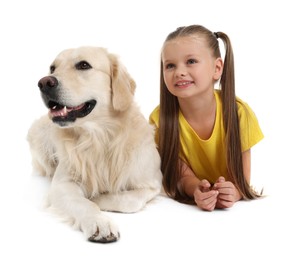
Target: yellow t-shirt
(207, 157)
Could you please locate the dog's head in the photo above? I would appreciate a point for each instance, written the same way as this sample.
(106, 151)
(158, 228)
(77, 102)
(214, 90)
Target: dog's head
(84, 82)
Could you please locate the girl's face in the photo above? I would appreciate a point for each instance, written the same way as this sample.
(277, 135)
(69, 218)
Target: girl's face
(189, 67)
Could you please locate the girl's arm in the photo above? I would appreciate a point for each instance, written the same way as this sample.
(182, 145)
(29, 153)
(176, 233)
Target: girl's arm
(188, 181)
(228, 193)
(246, 157)
(197, 190)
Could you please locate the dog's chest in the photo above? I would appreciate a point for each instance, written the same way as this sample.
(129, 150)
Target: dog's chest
(97, 164)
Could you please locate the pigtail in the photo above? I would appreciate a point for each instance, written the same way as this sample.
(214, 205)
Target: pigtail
(169, 142)
(231, 122)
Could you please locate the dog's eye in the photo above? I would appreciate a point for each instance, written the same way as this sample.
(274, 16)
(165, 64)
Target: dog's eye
(52, 69)
(83, 65)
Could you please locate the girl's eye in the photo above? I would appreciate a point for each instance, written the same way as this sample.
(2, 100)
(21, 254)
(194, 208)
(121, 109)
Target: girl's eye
(170, 66)
(191, 61)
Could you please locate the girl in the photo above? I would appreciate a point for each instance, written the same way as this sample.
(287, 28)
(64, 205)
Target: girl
(204, 135)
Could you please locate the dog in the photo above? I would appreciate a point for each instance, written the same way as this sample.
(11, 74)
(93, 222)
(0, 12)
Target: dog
(94, 144)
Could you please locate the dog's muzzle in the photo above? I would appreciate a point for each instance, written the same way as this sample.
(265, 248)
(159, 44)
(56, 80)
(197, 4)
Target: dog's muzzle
(61, 113)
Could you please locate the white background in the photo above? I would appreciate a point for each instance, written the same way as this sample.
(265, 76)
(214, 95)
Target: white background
(34, 32)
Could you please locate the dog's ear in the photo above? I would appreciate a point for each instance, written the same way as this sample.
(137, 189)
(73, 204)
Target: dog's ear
(122, 84)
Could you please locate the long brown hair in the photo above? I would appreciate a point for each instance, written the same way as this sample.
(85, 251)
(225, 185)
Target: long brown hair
(169, 140)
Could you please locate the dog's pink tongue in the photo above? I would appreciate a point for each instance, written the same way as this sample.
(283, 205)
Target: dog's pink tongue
(60, 112)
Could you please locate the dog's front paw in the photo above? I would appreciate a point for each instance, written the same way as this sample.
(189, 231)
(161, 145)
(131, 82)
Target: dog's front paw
(100, 229)
(96, 237)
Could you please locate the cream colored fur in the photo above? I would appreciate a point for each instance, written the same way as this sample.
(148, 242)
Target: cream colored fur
(105, 161)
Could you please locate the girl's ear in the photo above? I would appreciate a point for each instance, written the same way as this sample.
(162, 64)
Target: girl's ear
(218, 68)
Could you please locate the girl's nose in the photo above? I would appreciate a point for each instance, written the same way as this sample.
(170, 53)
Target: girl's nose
(181, 71)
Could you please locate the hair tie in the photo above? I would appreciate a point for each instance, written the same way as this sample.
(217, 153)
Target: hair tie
(216, 34)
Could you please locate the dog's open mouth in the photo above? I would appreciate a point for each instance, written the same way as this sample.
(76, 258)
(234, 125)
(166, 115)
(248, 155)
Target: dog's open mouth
(62, 114)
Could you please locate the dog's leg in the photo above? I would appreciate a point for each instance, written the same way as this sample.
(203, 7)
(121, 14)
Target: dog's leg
(144, 184)
(67, 196)
(126, 201)
(42, 149)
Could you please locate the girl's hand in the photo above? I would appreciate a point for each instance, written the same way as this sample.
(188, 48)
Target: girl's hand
(205, 198)
(228, 193)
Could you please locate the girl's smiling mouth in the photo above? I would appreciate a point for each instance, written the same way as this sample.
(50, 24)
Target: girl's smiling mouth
(183, 84)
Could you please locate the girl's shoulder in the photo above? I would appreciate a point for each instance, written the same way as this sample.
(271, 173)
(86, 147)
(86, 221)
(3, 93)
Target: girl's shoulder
(244, 109)
(154, 116)
(242, 106)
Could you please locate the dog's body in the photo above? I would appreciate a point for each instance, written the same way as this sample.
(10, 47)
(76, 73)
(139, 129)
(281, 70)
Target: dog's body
(95, 144)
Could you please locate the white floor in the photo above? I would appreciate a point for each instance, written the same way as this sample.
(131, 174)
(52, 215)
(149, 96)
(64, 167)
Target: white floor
(165, 229)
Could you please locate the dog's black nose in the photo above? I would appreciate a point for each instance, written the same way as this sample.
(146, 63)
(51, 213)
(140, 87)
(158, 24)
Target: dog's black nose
(47, 83)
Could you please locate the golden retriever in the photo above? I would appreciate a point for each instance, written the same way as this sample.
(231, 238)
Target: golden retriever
(94, 144)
